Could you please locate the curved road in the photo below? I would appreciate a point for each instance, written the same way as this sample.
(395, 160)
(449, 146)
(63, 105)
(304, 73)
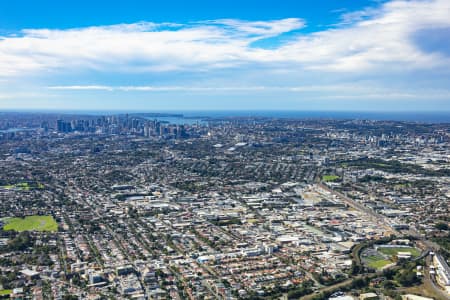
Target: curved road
(428, 280)
(431, 283)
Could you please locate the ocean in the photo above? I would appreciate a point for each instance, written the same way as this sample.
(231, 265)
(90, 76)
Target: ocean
(194, 116)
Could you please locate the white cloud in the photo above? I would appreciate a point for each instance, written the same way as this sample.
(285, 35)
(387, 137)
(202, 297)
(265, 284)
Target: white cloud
(261, 29)
(147, 88)
(157, 88)
(378, 39)
(371, 39)
(83, 88)
(137, 47)
(336, 91)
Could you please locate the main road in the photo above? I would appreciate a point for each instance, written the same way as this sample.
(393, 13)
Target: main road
(430, 282)
(361, 207)
(429, 245)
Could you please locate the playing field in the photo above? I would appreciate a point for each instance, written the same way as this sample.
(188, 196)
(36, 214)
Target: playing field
(31, 223)
(5, 292)
(327, 178)
(394, 250)
(377, 262)
(23, 186)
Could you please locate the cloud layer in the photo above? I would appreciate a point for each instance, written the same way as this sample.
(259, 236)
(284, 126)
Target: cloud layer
(366, 39)
(140, 47)
(387, 45)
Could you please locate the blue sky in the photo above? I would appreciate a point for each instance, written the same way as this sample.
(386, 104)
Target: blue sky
(225, 55)
(19, 14)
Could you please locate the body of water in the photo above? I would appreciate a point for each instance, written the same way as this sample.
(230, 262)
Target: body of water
(16, 129)
(201, 117)
(426, 117)
(179, 120)
(192, 117)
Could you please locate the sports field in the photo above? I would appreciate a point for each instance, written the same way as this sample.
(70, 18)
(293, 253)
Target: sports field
(377, 262)
(23, 186)
(394, 250)
(327, 178)
(5, 292)
(31, 223)
(380, 257)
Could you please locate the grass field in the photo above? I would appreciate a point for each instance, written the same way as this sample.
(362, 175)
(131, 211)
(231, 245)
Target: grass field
(377, 262)
(327, 178)
(393, 251)
(31, 223)
(5, 292)
(383, 256)
(20, 186)
(23, 186)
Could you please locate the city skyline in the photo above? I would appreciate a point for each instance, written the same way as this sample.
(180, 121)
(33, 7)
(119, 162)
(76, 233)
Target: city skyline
(369, 56)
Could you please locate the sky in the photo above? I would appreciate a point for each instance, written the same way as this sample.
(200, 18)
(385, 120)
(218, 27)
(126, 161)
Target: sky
(334, 55)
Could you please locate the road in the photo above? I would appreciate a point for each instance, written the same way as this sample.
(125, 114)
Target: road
(358, 206)
(430, 282)
(429, 245)
(119, 242)
(336, 286)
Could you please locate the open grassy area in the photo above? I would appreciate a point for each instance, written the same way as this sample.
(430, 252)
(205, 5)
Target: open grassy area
(23, 186)
(327, 178)
(393, 251)
(5, 292)
(377, 262)
(394, 166)
(20, 186)
(31, 223)
(425, 290)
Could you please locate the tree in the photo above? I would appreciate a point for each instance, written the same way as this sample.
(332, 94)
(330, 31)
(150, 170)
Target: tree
(389, 274)
(355, 269)
(358, 283)
(442, 226)
(388, 285)
(407, 278)
(21, 242)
